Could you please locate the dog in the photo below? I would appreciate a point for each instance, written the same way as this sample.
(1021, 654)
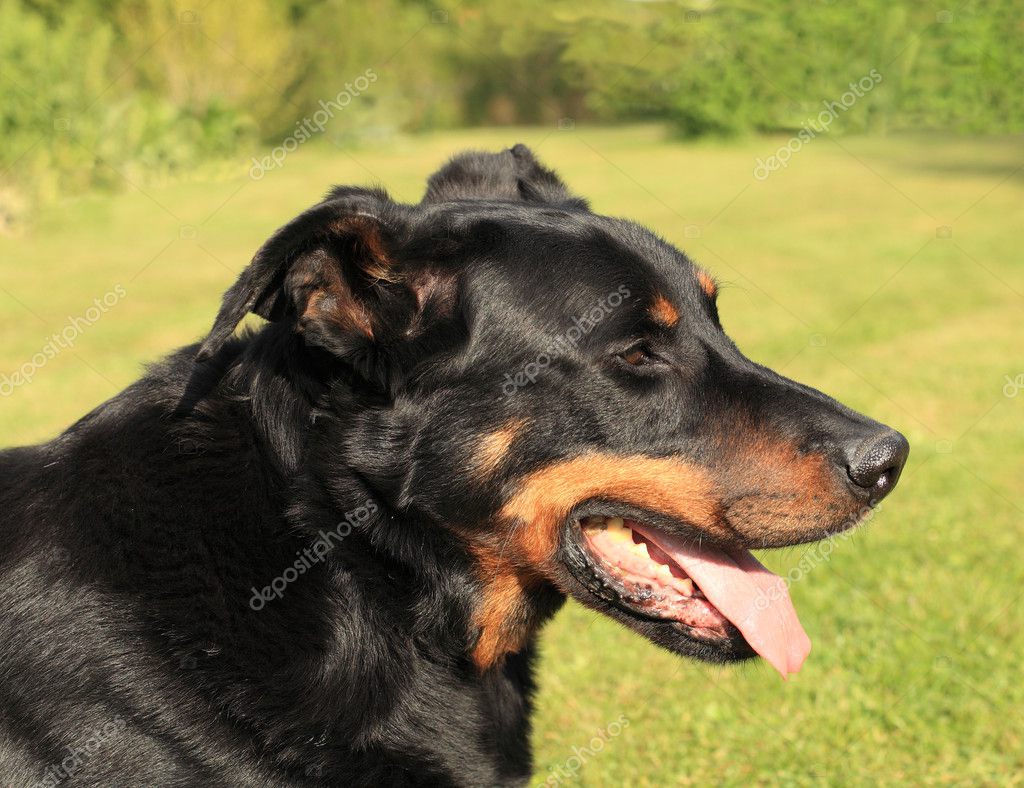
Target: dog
(320, 552)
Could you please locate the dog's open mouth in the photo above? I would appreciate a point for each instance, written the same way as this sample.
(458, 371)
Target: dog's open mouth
(705, 589)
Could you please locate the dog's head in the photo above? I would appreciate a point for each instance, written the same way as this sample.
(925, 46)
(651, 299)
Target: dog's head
(555, 388)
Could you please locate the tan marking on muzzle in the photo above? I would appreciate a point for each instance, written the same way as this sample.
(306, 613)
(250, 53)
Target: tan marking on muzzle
(503, 613)
(777, 493)
(669, 486)
(521, 559)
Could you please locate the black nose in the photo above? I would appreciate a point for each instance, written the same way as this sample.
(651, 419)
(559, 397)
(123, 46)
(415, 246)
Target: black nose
(875, 464)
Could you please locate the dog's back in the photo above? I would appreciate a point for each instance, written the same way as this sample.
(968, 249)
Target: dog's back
(103, 587)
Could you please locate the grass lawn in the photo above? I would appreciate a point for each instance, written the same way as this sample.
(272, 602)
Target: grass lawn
(888, 273)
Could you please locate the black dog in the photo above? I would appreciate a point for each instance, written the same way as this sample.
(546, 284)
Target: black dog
(320, 554)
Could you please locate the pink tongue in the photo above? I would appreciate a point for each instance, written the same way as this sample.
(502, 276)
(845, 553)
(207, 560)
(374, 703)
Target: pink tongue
(752, 598)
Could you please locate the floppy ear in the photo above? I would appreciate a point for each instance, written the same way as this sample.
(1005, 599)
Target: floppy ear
(513, 174)
(336, 272)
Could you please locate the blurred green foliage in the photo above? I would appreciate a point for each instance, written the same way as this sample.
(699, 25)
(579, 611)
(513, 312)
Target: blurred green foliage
(94, 92)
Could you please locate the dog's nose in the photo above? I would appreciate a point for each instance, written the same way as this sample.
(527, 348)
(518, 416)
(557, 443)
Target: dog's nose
(875, 463)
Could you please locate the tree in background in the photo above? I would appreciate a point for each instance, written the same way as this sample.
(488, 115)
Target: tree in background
(93, 90)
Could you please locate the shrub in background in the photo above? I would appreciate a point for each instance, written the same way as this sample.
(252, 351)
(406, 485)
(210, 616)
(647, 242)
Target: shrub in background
(93, 90)
(70, 124)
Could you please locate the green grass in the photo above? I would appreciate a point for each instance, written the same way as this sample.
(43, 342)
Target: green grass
(835, 273)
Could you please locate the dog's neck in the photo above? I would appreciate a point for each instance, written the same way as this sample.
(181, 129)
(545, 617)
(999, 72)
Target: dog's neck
(339, 453)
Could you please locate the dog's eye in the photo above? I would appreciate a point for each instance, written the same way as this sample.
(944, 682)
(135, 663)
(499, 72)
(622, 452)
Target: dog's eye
(638, 356)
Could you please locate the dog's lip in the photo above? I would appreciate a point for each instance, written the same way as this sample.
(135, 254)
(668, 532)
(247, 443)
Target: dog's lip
(630, 596)
(743, 599)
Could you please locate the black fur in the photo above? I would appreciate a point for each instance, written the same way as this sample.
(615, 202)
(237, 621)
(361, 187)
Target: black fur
(132, 544)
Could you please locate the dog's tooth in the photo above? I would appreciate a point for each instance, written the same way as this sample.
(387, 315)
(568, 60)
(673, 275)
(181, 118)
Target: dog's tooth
(684, 587)
(616, 527)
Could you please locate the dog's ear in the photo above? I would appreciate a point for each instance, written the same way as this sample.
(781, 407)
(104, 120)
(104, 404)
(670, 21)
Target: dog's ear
(513, 174)
(336, 272)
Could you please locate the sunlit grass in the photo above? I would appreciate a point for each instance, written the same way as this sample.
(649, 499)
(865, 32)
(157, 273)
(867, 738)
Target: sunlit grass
(834, 270)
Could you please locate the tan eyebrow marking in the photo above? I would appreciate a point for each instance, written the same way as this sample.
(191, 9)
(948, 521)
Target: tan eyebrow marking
(663, 312)
(707, 283)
